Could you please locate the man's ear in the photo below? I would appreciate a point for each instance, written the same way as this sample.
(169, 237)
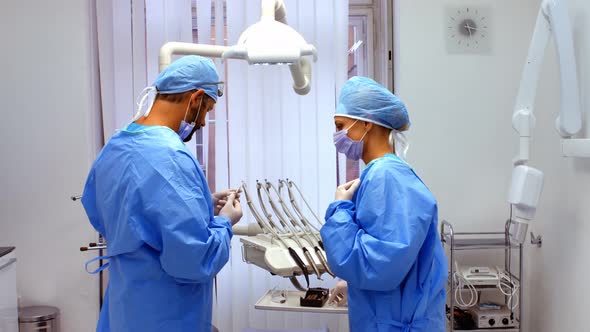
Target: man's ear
(369, 126)
(197, 95)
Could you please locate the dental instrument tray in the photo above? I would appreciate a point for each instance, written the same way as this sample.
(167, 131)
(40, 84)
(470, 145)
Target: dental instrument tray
(263, 251)
(314, 297)
(292, 303)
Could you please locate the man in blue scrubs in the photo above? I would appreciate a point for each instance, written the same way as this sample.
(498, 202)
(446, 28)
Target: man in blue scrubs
(148, 197)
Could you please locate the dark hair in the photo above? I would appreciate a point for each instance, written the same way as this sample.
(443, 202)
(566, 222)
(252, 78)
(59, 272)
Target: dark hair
(177, 98)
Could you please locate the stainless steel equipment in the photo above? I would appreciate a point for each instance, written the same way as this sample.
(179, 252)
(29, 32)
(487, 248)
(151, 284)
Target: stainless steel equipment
(455, 242)
(38, 319)
(8, 296)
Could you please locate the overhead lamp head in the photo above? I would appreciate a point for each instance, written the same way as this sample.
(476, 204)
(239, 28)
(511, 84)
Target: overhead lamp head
(270, 42)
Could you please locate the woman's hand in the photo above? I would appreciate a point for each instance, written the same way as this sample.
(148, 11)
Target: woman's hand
(346, 191)
(338, 294)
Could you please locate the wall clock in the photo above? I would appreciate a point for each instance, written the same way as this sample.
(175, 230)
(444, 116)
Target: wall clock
(468, 29)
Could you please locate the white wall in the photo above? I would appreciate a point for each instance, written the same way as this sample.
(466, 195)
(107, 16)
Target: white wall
(462, 144)
(47, 91)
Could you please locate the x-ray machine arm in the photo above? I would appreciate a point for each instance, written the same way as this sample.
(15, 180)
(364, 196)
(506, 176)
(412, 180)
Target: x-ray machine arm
(527, 182)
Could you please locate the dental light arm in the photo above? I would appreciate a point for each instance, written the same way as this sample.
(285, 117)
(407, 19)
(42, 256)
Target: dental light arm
(177, 48)
(268, 42)
(275, 10)
(527, 182)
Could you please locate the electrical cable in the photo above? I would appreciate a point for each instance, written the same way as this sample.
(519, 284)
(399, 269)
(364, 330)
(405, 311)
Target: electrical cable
(461, 281)
(300, 212)
(508, 287)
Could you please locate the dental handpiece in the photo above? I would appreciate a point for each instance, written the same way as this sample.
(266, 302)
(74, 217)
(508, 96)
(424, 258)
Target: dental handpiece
(294, 221)
(265, 228)
(302, 219)
(293, 184)
(299, 211)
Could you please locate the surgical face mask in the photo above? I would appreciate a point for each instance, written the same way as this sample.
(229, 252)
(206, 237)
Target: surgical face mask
(185, 130)
(145, 101)
(399, 140)
(344, 144)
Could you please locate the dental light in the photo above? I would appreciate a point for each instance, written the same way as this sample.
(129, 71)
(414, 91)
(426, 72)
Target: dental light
(268, 42)
(527, 182)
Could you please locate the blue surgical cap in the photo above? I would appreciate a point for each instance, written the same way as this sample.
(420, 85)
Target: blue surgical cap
(189, 73)
(363, 99)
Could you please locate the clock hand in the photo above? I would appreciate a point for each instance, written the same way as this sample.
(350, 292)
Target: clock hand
(468, 29)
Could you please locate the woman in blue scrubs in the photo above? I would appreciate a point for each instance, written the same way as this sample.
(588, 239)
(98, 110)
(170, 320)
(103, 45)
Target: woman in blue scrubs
(380, 233)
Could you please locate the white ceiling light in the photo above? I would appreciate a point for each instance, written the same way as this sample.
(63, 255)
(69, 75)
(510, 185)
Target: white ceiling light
(270, 41)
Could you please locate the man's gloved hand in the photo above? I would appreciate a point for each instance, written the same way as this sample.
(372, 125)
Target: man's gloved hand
(338, 295)
(220, 199)
(345, 191)
(232, 209)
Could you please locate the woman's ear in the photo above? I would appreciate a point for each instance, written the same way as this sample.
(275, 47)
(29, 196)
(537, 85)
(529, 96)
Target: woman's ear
(368, 126)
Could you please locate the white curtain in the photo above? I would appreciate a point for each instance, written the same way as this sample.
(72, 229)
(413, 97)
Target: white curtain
(115, 49)
(274, 133)
(130, 34)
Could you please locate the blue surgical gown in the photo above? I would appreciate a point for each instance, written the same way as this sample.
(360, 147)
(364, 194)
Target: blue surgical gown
(148, 197)
(385, 244)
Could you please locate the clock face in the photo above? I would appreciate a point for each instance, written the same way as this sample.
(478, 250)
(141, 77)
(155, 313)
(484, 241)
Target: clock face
(468, 30)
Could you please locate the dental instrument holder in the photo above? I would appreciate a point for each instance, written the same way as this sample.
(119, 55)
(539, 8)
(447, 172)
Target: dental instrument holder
(292, 224)
(292, 251)
(315, 297)
(306, 227)
(269, 250)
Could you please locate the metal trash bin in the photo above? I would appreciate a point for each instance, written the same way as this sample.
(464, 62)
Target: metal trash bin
(38, 319)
